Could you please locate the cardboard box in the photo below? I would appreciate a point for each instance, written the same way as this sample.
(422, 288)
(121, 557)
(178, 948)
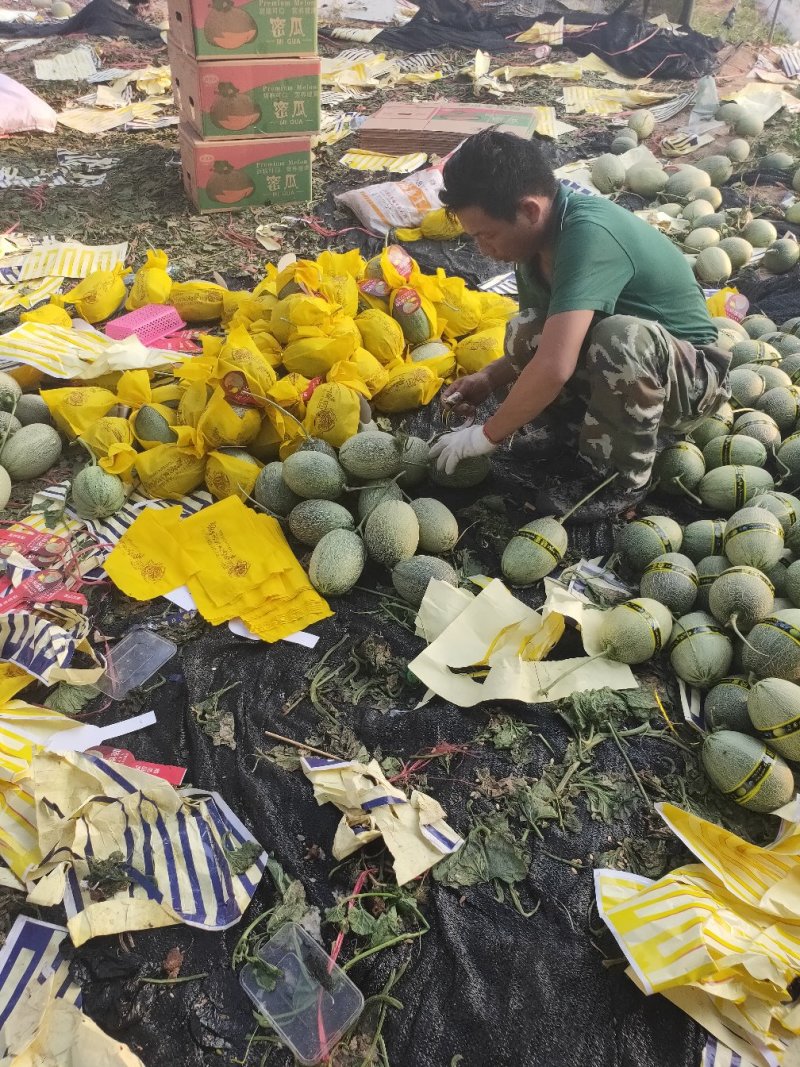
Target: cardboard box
(223, 99)
(439, 127)
(240, 29)
(230, 175)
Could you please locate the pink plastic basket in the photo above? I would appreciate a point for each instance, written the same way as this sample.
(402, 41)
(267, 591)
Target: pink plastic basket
(149, 324)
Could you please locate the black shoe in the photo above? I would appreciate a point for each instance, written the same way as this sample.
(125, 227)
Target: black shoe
(563, 491)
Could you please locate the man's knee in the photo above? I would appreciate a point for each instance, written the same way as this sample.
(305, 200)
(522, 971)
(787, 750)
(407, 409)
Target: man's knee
(522, 337)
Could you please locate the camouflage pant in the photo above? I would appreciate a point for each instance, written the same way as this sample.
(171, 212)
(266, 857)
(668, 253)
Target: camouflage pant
(635, 386)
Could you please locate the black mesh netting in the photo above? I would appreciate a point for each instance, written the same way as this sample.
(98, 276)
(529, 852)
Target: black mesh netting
(485, 983)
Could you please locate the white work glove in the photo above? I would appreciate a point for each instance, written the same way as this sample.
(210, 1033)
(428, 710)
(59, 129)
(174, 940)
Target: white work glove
(461, 444)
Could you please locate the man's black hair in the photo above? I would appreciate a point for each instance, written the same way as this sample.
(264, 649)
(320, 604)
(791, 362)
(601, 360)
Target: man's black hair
(494, 171)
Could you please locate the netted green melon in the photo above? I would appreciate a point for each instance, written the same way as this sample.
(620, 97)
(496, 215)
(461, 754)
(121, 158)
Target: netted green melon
(438, 527)
(773, 705)
(781, 256)
(671, 579)
(779, 161)
(623, 143)
(791, 326)
(725, 705)
(697, 209)
(739, 251)
(272, 493)
(679, 468)
(700, 651)
(752, 351)
(793, 582)
(685, 180)
(788, 457)
(760, 426)
(702, 237)
(777, 574)
(635, 631)
(717, 425)
(703, 538)
(310, 520)
(740, 598)
(737, 150)
(713, 266)
(640, 541)
(391, 532)
(469, 472)
(415, 456)
(717, 220)
(729, 112)
(726, 489)
(784, 506)
(760, 233)
(708, 570)
(782, 404)
(748, 125)
(746, 771)
(337, 562)
(375, 493)
(411, 577)
(313, 476)
(753, 538)
(746, 387)
(608, 173)
(792, 213)
(719, 168)
(773, 648)
(371, 455)
(642, 123)
(758, 325)
(645, 179)
(735, 449)
(534, 551)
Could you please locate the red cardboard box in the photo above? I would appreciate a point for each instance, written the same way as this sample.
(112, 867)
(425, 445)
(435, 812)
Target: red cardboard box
(223, 99)
(230, 175)
(237, 29)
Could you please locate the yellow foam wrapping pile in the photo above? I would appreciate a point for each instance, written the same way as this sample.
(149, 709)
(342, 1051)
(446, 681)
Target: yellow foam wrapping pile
(235, 563)
(306, 349)
(721, 937)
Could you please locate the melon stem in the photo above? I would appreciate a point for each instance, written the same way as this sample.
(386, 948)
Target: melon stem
(573, 668)
(688, 492)
(588, 496)
(740, 635)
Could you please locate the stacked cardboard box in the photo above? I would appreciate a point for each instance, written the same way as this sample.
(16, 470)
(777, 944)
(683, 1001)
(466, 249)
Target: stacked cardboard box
(246, 77)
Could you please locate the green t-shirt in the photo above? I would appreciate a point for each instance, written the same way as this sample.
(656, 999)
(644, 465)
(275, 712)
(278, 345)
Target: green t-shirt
(609, 261)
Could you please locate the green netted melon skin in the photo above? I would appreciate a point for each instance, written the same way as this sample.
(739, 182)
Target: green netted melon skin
(741, 595)
(746, 771)
(760, 233)
(671, 579)
(703, 538)
(337, 562)
(773, 649)
(643, 539)
(781, 256)
(31, 408)
(410, 577)
(391, 532)
(716, 425)
(316, 444)
(438, 527)
(713, 265)
(642, 123)
(773, 705)
(734, 449)
(738, 251)
(372, 495)
(728, 488)
(96, 494)
(753, 538)
(645, 179)
(746, 387)
(782, 404)
(793, 582)
(310, 520)
(725, 705)
(468, 473)
(272, 492)
(371, 455)
(608, 173)
(10, 391)
(533, 552)
(31, 452)
(150, 425)
(700, 651)
(414, 457)
(686, 180)
(313, 476)
(635, 631)
(679, 468)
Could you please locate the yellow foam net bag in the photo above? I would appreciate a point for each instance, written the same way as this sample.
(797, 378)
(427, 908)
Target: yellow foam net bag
(223, 423)
(381, 335)
(197, 301)
(475, 352)
(313, 357)
(152, 425)
(151, 283)
(240, 308)
(409, 387)
(336, 264)
(436, 356)
(170, 471)
(75, 408)
(240, 353)
(50, 314)
(332, 413)
(98, 296)
(231, 472)
(495, 309)
(111, 442)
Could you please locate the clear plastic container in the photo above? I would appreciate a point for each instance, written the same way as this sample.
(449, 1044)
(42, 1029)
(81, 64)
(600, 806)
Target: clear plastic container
(136, 658)
(312, 1003)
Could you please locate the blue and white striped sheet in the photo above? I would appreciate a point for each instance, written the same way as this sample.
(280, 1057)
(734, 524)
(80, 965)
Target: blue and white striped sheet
(32, 953)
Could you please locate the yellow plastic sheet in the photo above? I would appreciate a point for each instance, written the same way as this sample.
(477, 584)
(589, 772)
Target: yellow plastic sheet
(149, 560)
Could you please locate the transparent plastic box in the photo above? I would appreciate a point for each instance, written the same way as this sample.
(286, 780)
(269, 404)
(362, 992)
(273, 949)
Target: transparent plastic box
(312, 1003)
(130, 663)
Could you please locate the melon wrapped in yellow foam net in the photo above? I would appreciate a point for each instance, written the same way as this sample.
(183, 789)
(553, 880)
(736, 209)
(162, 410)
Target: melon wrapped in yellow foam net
(437, 225)
(361, 372)
(193, 402)
(298, 311)
(223, 423)
(98, 296)
(151, 283)
(76, 408)
(314, 356)
(230, 472)
(475, 352)
(198, 301)
(409, 387)
(289, 393)
(381, 335)
(240, 353)
(459, 309)
(110, 440)
(50, 314)
(169, 471)
(332, 413)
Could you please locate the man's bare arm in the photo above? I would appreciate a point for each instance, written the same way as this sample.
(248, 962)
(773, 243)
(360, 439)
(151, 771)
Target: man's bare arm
(545, 376)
